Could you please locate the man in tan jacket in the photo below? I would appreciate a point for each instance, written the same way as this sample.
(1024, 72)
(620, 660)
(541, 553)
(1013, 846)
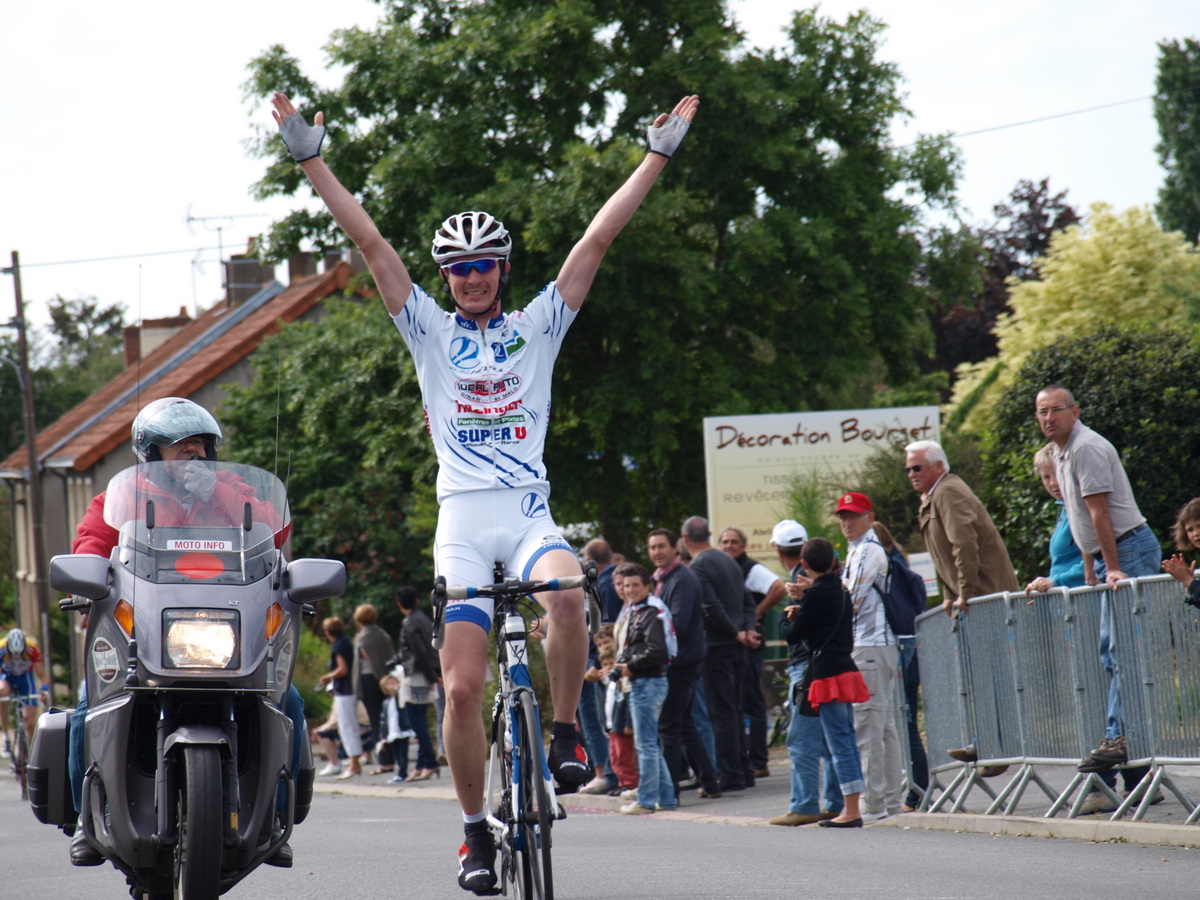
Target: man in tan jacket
(968, 552)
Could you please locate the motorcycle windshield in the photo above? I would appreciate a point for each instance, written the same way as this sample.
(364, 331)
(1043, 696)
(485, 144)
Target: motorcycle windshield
(196, 520)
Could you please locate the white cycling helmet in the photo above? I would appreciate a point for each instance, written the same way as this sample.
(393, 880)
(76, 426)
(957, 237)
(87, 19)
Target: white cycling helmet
(468, 233)
(15, 643)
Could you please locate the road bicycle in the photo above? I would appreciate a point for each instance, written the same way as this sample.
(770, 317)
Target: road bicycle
(20, 740)
(519, 789)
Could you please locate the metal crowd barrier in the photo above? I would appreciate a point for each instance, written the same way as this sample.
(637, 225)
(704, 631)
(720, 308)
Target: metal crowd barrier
(1023, 682)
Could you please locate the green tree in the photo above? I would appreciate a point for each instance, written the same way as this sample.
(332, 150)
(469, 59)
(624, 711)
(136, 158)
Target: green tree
(1139, 387)
(79, 353)
(344, 399)
(1177, 110)
(971, 271)
(1119, 268)
(770, 269)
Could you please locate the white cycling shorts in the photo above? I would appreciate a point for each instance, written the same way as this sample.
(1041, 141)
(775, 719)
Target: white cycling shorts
(477, 529)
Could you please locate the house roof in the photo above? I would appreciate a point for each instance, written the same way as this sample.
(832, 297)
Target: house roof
(179, 367)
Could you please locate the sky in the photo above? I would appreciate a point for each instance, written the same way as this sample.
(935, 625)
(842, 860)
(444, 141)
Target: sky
(124, 175)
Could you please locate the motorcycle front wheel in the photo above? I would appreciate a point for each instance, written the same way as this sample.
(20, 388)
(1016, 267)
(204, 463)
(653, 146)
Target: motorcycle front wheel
(198, 847)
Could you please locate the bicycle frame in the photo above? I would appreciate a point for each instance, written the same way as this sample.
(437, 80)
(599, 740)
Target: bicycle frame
(511, 649)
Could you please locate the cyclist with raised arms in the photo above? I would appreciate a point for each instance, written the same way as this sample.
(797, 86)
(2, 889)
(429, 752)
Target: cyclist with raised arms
(485, 383)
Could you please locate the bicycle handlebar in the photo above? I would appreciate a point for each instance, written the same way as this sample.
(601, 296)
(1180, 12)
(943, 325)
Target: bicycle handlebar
(515, 588)
(443, 592)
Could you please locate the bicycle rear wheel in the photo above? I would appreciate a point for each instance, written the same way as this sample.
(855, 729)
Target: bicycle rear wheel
(533, 812)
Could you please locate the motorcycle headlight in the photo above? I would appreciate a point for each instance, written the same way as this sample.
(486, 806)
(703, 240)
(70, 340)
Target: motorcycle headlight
(201, 639)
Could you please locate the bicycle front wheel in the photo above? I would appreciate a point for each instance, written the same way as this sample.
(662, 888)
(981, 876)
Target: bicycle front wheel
(20, 757)
(533, 811)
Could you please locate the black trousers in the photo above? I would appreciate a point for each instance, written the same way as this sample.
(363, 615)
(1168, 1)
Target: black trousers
(677, 729)
(754, 706)
(724, 674)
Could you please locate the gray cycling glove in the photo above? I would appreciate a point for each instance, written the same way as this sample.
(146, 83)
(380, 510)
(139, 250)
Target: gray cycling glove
(302, 140)
(666, 138)
(200, 479)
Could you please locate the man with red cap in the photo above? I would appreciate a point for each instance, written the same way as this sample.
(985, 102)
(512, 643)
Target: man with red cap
(877, 656)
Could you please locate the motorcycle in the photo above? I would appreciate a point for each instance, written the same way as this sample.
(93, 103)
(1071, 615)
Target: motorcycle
(192, 635)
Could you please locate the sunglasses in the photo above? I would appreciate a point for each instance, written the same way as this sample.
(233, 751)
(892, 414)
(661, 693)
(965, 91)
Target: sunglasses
(482, 266)
(910, 470)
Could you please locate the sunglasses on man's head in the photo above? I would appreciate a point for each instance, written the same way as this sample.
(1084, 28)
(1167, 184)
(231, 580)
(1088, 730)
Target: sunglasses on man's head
(482, 266)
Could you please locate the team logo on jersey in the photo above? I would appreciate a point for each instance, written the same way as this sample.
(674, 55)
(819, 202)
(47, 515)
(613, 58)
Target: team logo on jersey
(488, 390)
(464, 353)
(510, 347)
(533, 506)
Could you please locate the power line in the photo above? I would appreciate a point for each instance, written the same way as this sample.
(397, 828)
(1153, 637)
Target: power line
(1075, 112)
(96, 259)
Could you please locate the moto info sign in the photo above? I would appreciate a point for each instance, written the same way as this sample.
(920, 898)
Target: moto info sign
(751, 461)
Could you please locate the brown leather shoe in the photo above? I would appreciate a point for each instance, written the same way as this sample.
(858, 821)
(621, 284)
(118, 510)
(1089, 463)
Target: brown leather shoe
(992, 771)
(792, 819)
(965, 754)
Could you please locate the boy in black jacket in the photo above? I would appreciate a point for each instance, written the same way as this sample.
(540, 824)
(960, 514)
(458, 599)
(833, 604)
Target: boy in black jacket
(644, 659)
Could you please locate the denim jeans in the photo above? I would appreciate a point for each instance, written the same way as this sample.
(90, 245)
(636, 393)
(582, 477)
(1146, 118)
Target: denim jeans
(910, 668)
(418, 721)
(1139, 555)
(591, 718)
(807, 749)
(655, 787)
(837, 720)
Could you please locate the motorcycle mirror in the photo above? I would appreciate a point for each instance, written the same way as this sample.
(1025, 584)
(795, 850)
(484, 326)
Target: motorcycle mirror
(309, 580)
(85, 574)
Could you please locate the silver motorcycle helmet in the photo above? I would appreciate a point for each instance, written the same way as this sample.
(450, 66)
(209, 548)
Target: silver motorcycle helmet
(171, 419)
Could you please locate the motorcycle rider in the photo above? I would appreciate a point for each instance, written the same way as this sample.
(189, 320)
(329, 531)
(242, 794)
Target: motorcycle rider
(184, 436)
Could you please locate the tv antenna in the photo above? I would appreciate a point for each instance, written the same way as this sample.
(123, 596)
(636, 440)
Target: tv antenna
(197, 262)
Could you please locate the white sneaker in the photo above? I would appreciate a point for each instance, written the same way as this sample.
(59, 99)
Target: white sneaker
(331, 769)
(635, 809)
(7, 749)
(868, 818)
(598, 785)
(630, 794)
(1097, 802)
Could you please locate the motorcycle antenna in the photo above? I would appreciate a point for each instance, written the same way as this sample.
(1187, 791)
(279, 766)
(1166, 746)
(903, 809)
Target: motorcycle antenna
(287, 481)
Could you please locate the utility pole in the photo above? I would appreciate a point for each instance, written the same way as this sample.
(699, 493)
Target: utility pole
(36, 507)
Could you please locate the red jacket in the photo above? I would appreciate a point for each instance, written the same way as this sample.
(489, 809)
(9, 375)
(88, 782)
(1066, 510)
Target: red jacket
(222, 509)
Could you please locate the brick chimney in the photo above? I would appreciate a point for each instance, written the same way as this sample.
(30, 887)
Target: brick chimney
(141, 340)
(245, 276)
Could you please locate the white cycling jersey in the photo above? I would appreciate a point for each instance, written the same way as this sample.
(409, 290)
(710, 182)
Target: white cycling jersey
(486, 392)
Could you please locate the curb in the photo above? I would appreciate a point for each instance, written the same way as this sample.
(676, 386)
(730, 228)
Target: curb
(1094, 830)
(1097, 831)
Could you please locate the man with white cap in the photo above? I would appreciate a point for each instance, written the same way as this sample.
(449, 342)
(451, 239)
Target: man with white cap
(806, 738)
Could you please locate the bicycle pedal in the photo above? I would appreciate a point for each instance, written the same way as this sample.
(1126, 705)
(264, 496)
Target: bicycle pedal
(561, 814)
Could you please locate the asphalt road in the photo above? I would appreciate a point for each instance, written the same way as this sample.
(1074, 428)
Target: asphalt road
(384, 843)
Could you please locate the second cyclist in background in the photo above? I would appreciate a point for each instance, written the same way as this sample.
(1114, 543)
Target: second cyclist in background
(21, 673)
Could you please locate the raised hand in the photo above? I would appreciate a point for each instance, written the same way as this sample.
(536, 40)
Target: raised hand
(1179, 569)
(666, 134)
(302, 140)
